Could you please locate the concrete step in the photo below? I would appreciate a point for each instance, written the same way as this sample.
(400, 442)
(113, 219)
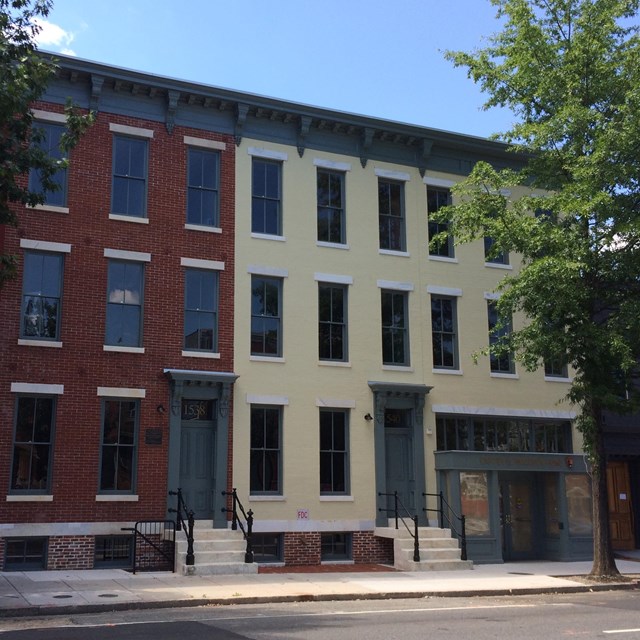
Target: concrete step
(423, 532)
(214, 545)
(427, 554)
(209, 557)
(435, 565)
(218, 568)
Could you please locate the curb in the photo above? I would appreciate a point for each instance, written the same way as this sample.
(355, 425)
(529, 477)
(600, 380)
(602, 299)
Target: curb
(48, 610)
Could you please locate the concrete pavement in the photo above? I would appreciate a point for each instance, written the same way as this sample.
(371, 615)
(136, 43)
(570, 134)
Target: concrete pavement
(61, 592)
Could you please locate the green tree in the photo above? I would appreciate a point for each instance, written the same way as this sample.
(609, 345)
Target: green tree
(24, 76)
(569, 72)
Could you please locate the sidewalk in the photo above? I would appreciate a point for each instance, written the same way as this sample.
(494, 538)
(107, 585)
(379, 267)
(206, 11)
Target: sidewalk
(57, 592)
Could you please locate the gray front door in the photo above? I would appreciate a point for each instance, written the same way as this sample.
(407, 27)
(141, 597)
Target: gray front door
(197, 457)
(400, 473)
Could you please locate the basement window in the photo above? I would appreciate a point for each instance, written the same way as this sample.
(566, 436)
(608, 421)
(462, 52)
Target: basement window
(25, 554)
(113, 551)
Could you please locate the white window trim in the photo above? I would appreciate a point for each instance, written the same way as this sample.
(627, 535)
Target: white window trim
(334, 363)
(116, 497)
(134, 256)
(30, 498)
(332, 245)
(401, 176)
(390, 252)
(271, 400)
(443, 259)
(332, 278)
(335, 498)
(497, 265)
(505, 376)
(197, 263)
(203, 143)
(202, 227)
(49, 207)
(120, 392)
(398, 367)
(123, 218)
(117, 349)
(490, 295)
(395, 286)
(49, 116)
(263, 270)
(448, 372)
(201, 354)
(268, 236)
(451, 292)
(332, 164)
(566, 379)
(269, 154)
(41, 389)
(42, 245)
(125, 129)
(335, 403)
(270, 498)
(432, 181)
(22, 342)
(277, 359)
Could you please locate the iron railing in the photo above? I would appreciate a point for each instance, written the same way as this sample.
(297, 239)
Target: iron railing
(397, 505)
(183, 512)
(449, 519)
(154, 545)
(238, 513)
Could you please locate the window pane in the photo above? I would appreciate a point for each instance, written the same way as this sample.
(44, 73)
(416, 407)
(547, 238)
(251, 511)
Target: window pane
(474, 501)
(578, 490)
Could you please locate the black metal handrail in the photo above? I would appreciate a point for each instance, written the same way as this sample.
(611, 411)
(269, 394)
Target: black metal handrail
(397, 504)
(237, 510)
(181, 512)
(447, 515)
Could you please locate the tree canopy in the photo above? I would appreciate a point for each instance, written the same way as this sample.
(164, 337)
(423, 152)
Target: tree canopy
(24, 77)
(569, 72)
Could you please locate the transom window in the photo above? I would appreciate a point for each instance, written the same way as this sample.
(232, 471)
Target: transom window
(124, 304)
(331, 221)
(436, 199)
(266, 202)
(119, 436)
(129, 194)
(33, 444)
(47, 137)
(444, 332)
(203, 188)
(332, 322)
(41, 295)
(334, 455)
(201, 310)
(395, 333)
(266, 330)
(391, 219)
(266, 452)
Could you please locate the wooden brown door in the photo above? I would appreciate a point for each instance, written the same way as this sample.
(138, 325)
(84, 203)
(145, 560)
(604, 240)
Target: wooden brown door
(620, 508)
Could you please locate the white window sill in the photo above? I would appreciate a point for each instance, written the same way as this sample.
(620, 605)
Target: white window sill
(389, 252)
(327, 498)
(202, 227)
(116, 497)
(121, 218)
(558, 379)
(30, 498)
(507, 376)
(333, 363)
(267, 498)
(110, 347)
(497, 265)
(390, 367)
(443, 259)
(49, 207)
(23, 342)
(268, 236)
(448, 372)
(201, 354)
(332, 245)
(266, 359)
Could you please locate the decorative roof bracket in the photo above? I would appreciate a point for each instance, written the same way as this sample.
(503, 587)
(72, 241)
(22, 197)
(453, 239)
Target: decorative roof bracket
(172, 107)
(425, 152)
(241, 117)
(96, 90)
(367, 139)
(303, 130)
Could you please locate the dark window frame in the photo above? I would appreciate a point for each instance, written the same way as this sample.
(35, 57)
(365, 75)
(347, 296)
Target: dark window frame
(108, 552)
(336, 546)
(261, 455)
(50, 144)
(438, 197)
(261, 545)
(199, 190)
(439, 333)
(207, 318)
(264, 316)
(266, 204)
(331, 217)
(37, 313)
(391, 215)
(124, 180)
(334, 459)
(392, 331)
(117, 310)
(333, 325)
(38, 560)
(503, 363)
(501, 257)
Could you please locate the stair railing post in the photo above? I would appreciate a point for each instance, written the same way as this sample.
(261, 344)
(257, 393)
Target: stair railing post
(463, 538)
(395, 504)
(234, 510)
(441, 510)
(416, 544)
(190, 555)
(248, 556)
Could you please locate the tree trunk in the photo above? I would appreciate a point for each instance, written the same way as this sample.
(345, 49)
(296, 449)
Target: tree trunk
(604, 564)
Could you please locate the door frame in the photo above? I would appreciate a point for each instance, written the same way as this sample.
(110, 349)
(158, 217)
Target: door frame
(505, 481)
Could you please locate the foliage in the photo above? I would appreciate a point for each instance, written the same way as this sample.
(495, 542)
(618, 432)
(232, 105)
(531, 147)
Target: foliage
(569, 71)
(24, 76)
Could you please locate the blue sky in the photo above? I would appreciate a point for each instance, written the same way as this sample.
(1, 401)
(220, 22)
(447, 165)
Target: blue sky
(372, 57)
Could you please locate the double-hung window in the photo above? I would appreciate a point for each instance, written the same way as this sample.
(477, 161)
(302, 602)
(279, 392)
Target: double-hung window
(41, 295)
(492, 255)
(556, 369)
(332, 322)
(444, 332)
(436, 199)
(119, 445)
(47, 137)
(130, 167)
(395, 327)
(201, 310)
(391, 216)
(266, 316)
(334, 451)
(33, 444)
(125, 287)
(266, 450)
(203, 178)
(331, 218)
(501, 361)
(266, 202)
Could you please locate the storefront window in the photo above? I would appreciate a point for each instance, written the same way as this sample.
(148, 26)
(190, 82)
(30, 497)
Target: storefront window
(474, 501)
(578, 487)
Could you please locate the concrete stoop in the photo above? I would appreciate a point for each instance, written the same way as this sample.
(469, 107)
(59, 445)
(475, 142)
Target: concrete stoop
(437, 549)
(216, 552)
